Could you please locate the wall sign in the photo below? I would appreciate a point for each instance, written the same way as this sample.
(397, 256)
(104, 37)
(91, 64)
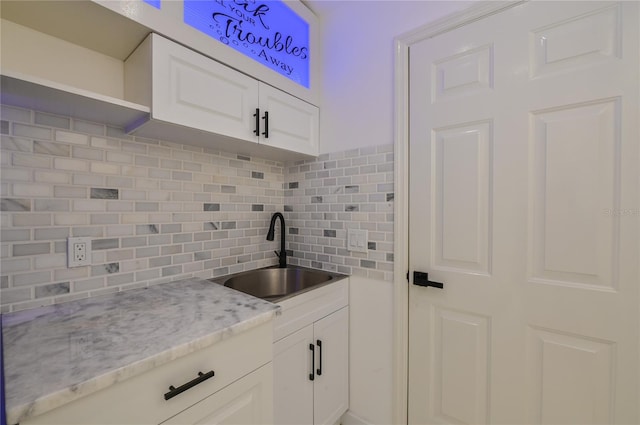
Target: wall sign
(154, 3)
(267, 31)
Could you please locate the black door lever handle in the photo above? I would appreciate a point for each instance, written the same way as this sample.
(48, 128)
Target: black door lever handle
(422, 279)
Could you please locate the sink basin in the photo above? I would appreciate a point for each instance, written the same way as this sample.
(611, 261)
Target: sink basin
(274, 283)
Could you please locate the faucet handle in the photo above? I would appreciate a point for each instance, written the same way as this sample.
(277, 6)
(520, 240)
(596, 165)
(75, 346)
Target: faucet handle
(277, 254)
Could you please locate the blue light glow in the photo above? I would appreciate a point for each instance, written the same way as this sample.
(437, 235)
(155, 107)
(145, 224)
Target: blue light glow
(154, 3)
(268, 32)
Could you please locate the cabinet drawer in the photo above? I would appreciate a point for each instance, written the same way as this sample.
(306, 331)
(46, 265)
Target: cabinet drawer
(304, 309)
(246, 401)
(140, 400)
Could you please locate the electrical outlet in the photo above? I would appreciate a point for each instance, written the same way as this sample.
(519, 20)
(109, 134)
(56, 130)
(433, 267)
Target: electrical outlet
(78, 252)
(357, 240)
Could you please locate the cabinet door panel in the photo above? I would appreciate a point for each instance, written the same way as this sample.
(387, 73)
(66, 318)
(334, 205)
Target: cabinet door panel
(195, 91)
(293, 123)
(246, 401)
(293, 390)
(331, 391)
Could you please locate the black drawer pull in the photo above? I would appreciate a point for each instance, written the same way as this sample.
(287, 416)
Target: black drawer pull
(173, 391)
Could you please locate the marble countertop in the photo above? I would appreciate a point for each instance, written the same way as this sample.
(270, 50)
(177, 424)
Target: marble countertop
(56, 354)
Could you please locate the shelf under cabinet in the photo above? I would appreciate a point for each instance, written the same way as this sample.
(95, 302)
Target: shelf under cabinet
(48, 96)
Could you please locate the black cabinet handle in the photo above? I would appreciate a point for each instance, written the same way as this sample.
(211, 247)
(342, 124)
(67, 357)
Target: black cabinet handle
(266, 124)
(319, 370)
(173, 391)
(257, 116)
(313, 361)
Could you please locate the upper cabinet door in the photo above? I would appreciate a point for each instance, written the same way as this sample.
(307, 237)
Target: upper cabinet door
(293, 124)
(195, 91)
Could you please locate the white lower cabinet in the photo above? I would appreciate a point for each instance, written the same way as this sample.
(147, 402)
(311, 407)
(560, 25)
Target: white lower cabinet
(239, 392)
(331, 386)
(293, 389)
(311, 372)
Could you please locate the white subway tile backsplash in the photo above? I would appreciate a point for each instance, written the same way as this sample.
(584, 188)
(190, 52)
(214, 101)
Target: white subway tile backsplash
(31, 220)
(338, 191)
(49, 148)
(30, 161)
(28, 279)
(41, 118)
(50, 177)
(105, 168)
(50, 261)
(94, 205)
(10, 113)
(14, 296)
(70, 164)
(72, 138)
(89, 284)
(70, 192)
(31, 131)
(160, 211)
(88, 127)
(51, 205)
(119, 157)
(87, 153)
(101, 142)
(70, 274)
(120, 230)
(16, 144)
(15, 265)
(16, 174)
(73, 219)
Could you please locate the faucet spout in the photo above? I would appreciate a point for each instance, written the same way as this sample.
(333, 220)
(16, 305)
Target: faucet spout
(282, 256)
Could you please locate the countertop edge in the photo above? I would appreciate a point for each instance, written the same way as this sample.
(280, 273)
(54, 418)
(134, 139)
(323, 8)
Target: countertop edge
(78, 391)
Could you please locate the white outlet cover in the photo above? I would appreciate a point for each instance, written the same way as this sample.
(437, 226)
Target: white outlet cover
(80, 245)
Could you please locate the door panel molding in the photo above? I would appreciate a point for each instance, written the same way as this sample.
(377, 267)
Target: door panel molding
(402, 45)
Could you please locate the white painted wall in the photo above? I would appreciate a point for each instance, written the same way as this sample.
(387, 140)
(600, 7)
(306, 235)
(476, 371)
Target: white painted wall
(357, 65)
(357, 111)
(370, 351)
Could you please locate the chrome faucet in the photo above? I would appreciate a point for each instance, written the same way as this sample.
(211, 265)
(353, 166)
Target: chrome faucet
(282, 256)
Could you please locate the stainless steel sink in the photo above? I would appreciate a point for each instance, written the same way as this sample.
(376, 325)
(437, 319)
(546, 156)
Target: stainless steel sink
(274, 284)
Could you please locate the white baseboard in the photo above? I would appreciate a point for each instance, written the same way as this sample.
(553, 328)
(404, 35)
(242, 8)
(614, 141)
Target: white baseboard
(350, 418)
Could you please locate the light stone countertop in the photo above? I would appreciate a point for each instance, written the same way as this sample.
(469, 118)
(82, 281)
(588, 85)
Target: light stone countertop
(56, 354)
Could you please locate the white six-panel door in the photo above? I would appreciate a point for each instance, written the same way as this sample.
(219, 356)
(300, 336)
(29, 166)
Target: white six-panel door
(524, 202)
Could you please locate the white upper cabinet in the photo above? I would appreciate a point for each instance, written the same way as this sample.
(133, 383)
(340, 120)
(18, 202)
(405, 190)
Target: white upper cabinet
(183, 87)
(292, 124)
(187, 91)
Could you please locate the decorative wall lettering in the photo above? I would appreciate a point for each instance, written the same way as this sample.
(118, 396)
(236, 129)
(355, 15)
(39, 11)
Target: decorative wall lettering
(267, 31)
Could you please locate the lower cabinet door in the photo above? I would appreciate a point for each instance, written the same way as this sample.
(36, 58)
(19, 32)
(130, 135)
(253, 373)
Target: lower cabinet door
(248, 400)
(293, 363)
(331, 386)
